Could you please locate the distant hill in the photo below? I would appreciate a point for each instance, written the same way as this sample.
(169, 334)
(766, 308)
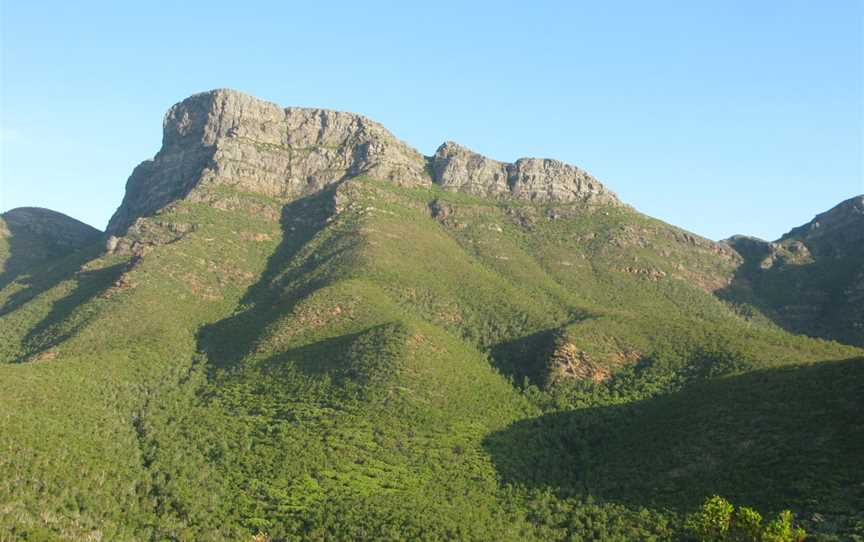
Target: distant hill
(811, 280)
(30, 236)
(299, 328)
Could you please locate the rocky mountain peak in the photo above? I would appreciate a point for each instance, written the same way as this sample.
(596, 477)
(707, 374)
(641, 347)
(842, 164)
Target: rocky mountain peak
(227, 137)
(230, 138)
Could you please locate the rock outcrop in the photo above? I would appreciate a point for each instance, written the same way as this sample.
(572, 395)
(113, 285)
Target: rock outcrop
(226, 137)
(531, 179)
(753, 250)
(835, 233)
(569, 362)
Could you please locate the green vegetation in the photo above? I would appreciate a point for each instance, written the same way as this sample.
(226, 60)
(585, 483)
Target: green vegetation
(719, 521)
(374, 364)
(809, 281)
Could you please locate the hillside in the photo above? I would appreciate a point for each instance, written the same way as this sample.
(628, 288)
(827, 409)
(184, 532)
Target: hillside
(30, 236)
(811, 280)
(301, 327)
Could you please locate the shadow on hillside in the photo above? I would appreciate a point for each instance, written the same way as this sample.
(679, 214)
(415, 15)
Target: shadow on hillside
(89, 284)
(808, 299)
(21, 252)
(525, 357)
(44, 277)
(785, 437)
(228, 341)
(15, 263)
(323, 357)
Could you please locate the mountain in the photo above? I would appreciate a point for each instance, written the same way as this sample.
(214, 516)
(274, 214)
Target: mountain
(299, 328)
(29, 236)
(224, 138)
(811, 280)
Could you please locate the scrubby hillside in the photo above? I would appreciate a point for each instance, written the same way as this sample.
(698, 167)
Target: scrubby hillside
(471, 350)
(811, 280)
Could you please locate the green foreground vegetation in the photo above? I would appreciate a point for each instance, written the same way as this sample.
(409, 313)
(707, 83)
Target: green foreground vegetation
(378, 363)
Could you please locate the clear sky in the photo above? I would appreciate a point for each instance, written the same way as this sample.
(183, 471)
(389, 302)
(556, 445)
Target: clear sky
(721, 117)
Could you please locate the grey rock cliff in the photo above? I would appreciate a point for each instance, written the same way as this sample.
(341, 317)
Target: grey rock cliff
(531, 179)
(226, 137)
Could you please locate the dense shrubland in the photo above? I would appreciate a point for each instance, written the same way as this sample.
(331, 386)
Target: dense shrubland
(379, 374)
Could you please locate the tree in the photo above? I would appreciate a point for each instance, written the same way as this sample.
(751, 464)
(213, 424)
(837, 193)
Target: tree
(711, 523)
(718, 521)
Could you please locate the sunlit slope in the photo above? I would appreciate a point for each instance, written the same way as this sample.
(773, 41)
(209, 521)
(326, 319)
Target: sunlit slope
(334, 367)
(102, 345)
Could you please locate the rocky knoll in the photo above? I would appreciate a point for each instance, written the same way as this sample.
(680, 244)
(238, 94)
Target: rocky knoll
(226, 137)
(533, 179)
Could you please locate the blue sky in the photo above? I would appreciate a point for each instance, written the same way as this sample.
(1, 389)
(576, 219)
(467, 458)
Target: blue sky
(720, 117)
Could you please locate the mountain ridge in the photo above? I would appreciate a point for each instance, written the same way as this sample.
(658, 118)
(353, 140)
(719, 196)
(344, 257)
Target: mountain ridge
(224, 136)
(251, 356)
(810, 280)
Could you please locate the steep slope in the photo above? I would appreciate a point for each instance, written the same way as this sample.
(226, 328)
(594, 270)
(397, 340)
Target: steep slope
(811, 280)
(227, 138)
(351, 357)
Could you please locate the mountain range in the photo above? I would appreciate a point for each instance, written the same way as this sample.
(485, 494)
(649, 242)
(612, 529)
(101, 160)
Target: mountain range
(297, 327)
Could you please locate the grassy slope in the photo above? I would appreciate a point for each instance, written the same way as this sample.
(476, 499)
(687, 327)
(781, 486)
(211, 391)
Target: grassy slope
(335, 375)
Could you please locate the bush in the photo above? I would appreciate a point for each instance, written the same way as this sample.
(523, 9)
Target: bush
(719, 521)
(782, 529)
(712, 522)
(746, 525)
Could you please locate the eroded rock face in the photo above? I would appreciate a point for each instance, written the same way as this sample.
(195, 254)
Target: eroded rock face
(462, 170)
(757, 252)
(531, 179)
(228, 138)
(569, 362)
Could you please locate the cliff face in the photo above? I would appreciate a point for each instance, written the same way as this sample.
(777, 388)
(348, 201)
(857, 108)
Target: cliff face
(226, 137)
(529, 179)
